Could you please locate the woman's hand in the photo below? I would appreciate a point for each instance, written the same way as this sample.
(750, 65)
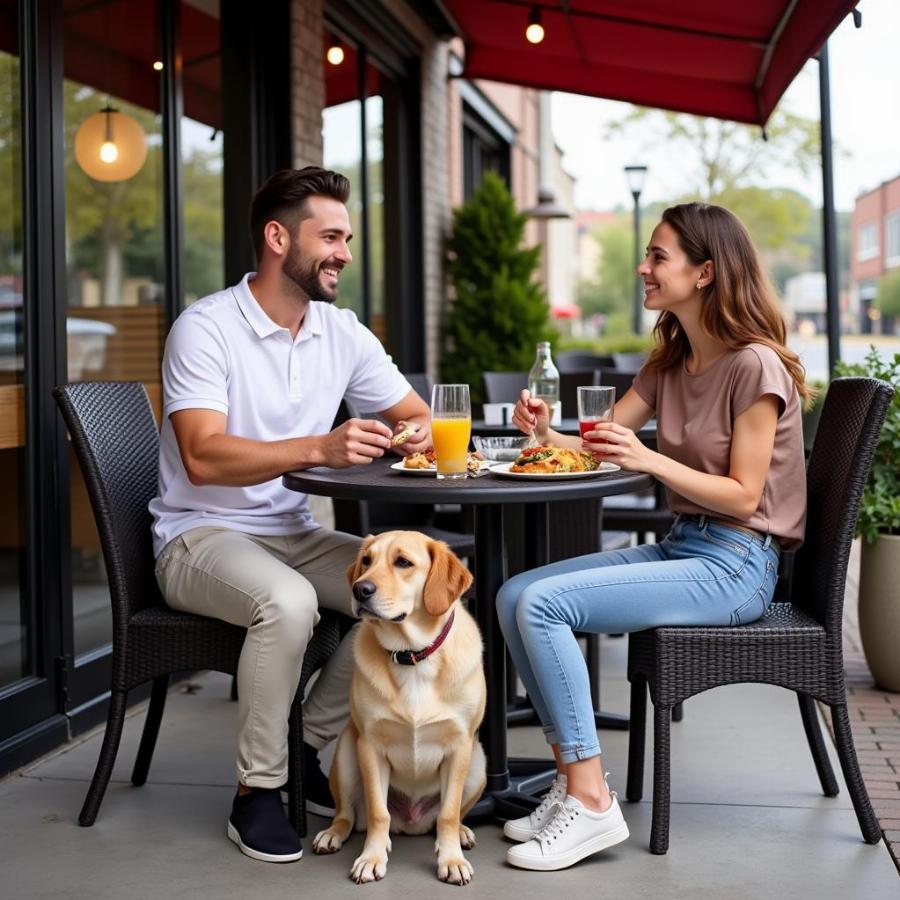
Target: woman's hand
(531, 416)
(617, 444)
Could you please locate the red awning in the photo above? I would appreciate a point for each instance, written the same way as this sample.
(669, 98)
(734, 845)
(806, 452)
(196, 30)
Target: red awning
(708, 57)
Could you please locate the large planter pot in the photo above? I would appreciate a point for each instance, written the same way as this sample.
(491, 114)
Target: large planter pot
(879, 609)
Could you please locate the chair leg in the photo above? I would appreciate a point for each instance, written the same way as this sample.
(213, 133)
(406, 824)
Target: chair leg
(592, 656)
(108, 750)
(151, 730)
(659, 829)
(817, 745)
(868, 824)
(296, 794)
(637, 736)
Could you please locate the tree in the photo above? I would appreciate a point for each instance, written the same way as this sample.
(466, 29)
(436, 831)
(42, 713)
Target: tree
(887, 297)
(611, 291)
(499, 311)
(721, 156)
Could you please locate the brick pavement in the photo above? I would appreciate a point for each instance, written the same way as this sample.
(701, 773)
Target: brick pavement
(875, 721)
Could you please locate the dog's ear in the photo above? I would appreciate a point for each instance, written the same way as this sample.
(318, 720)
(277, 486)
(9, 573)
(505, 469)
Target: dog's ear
(447, 579)
(356, 568)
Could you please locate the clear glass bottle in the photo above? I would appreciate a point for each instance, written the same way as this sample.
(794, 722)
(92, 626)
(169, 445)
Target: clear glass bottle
(543, 379)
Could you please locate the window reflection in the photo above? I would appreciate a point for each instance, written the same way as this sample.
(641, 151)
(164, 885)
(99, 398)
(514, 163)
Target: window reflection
(202, 150)
(363, 282)
(114, 243)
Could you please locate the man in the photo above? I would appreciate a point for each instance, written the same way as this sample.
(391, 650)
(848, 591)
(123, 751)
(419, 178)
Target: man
(252, 380)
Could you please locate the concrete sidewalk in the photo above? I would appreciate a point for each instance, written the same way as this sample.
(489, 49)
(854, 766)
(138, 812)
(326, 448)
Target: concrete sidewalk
(748, 818)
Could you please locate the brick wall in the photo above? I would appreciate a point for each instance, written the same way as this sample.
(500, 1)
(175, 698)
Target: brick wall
(307, 81)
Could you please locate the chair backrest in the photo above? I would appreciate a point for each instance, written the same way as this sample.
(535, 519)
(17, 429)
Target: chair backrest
(621, 381)
(581, 361)
(569, 382)
(839, 464)
(503, 387)
(116, 442)
(422, 384)
(629, 362)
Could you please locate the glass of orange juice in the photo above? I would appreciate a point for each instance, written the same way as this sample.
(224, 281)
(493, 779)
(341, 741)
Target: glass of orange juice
(451, 428)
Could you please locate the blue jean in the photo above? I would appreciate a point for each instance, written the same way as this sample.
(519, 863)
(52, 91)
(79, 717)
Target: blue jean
(702, 573)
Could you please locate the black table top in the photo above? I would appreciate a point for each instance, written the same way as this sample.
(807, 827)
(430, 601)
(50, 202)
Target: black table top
(378, 482)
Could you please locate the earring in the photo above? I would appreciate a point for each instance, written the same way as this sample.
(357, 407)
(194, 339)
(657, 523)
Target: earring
(699, 285)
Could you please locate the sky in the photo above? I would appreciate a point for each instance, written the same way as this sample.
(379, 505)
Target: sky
(865, 122)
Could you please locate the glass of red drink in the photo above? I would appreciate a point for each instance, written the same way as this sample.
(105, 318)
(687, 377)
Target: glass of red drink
(595, 404)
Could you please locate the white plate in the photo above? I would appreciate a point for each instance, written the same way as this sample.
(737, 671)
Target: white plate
(606, 468)
(399, 467)
(431, 470)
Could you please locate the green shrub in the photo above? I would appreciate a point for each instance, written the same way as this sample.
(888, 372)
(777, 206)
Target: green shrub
(879, 511)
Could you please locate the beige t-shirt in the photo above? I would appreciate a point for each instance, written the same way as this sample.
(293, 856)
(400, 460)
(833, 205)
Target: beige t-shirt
(695, 416)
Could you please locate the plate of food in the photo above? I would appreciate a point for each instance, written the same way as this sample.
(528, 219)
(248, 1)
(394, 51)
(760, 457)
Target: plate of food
(554, 462)
(423, 464)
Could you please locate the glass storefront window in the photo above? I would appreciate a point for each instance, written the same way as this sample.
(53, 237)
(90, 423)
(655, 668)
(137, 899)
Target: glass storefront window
(345, 116)
(114, 238)
(15, 661)
(202, 150)
(342, 152)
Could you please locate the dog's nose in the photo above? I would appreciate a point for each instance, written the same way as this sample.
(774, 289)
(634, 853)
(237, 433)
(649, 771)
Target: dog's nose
(364, 590)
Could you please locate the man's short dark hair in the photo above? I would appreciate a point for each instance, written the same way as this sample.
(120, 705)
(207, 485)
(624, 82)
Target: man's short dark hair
(283, 198)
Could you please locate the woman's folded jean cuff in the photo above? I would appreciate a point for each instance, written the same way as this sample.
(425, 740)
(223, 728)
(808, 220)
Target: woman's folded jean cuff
(575, 753)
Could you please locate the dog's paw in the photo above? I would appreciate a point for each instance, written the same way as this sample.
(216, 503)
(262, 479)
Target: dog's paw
(454, 870)
(466, 837)
(327, 841)
(369, 866)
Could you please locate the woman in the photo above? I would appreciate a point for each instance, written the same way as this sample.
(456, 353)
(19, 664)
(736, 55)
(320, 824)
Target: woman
(726, 394)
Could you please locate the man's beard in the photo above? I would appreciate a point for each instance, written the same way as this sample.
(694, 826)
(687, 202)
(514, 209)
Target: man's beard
(306, 275)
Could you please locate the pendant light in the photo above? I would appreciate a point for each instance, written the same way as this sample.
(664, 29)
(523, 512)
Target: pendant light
(110, 145)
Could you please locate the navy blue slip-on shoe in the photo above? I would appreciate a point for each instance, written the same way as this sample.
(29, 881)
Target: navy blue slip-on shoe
(260, 828)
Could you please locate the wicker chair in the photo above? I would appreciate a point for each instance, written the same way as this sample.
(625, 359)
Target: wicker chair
(796, 644)
(116, 441)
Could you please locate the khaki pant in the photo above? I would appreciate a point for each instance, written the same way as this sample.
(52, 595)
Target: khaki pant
(272, 586)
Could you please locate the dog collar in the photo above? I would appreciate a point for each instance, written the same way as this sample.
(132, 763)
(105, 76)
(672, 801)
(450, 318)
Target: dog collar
(411, 657)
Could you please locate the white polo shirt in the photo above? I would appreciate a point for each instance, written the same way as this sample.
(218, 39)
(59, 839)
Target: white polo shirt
(225, 353)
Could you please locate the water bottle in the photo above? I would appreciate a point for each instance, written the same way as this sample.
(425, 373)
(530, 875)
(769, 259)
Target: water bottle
(543, 379)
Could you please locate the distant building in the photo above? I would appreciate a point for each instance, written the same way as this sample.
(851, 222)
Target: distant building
(874, 249)
(804, 302)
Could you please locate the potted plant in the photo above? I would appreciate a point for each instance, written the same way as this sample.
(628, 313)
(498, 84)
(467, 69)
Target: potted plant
(499, 310)
(879, 528)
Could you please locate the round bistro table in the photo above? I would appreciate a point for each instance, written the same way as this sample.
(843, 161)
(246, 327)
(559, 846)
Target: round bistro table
(509, 782)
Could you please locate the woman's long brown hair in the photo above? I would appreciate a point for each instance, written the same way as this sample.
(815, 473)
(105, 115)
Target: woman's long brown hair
(739, 305)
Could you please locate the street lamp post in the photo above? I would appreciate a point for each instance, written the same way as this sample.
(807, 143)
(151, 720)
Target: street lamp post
(636, 175)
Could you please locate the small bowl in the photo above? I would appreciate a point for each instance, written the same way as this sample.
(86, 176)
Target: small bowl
(500, 449)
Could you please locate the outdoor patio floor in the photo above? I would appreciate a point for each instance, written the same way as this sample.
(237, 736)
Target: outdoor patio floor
(748, 818)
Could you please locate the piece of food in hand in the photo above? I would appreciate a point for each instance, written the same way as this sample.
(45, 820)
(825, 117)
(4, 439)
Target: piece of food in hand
(402, 436)
(553, 459)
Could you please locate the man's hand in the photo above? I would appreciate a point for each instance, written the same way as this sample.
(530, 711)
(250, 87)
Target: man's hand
(417, 443)
(356, 441)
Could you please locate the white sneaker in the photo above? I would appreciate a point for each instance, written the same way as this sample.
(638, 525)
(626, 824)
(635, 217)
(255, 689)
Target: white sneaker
(573, 833)
(527, 827)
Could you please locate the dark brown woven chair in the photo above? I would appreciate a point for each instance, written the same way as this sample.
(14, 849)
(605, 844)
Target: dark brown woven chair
(796, 644)
(116, 441)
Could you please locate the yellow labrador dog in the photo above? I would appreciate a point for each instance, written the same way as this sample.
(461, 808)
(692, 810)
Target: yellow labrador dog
(409, 757)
